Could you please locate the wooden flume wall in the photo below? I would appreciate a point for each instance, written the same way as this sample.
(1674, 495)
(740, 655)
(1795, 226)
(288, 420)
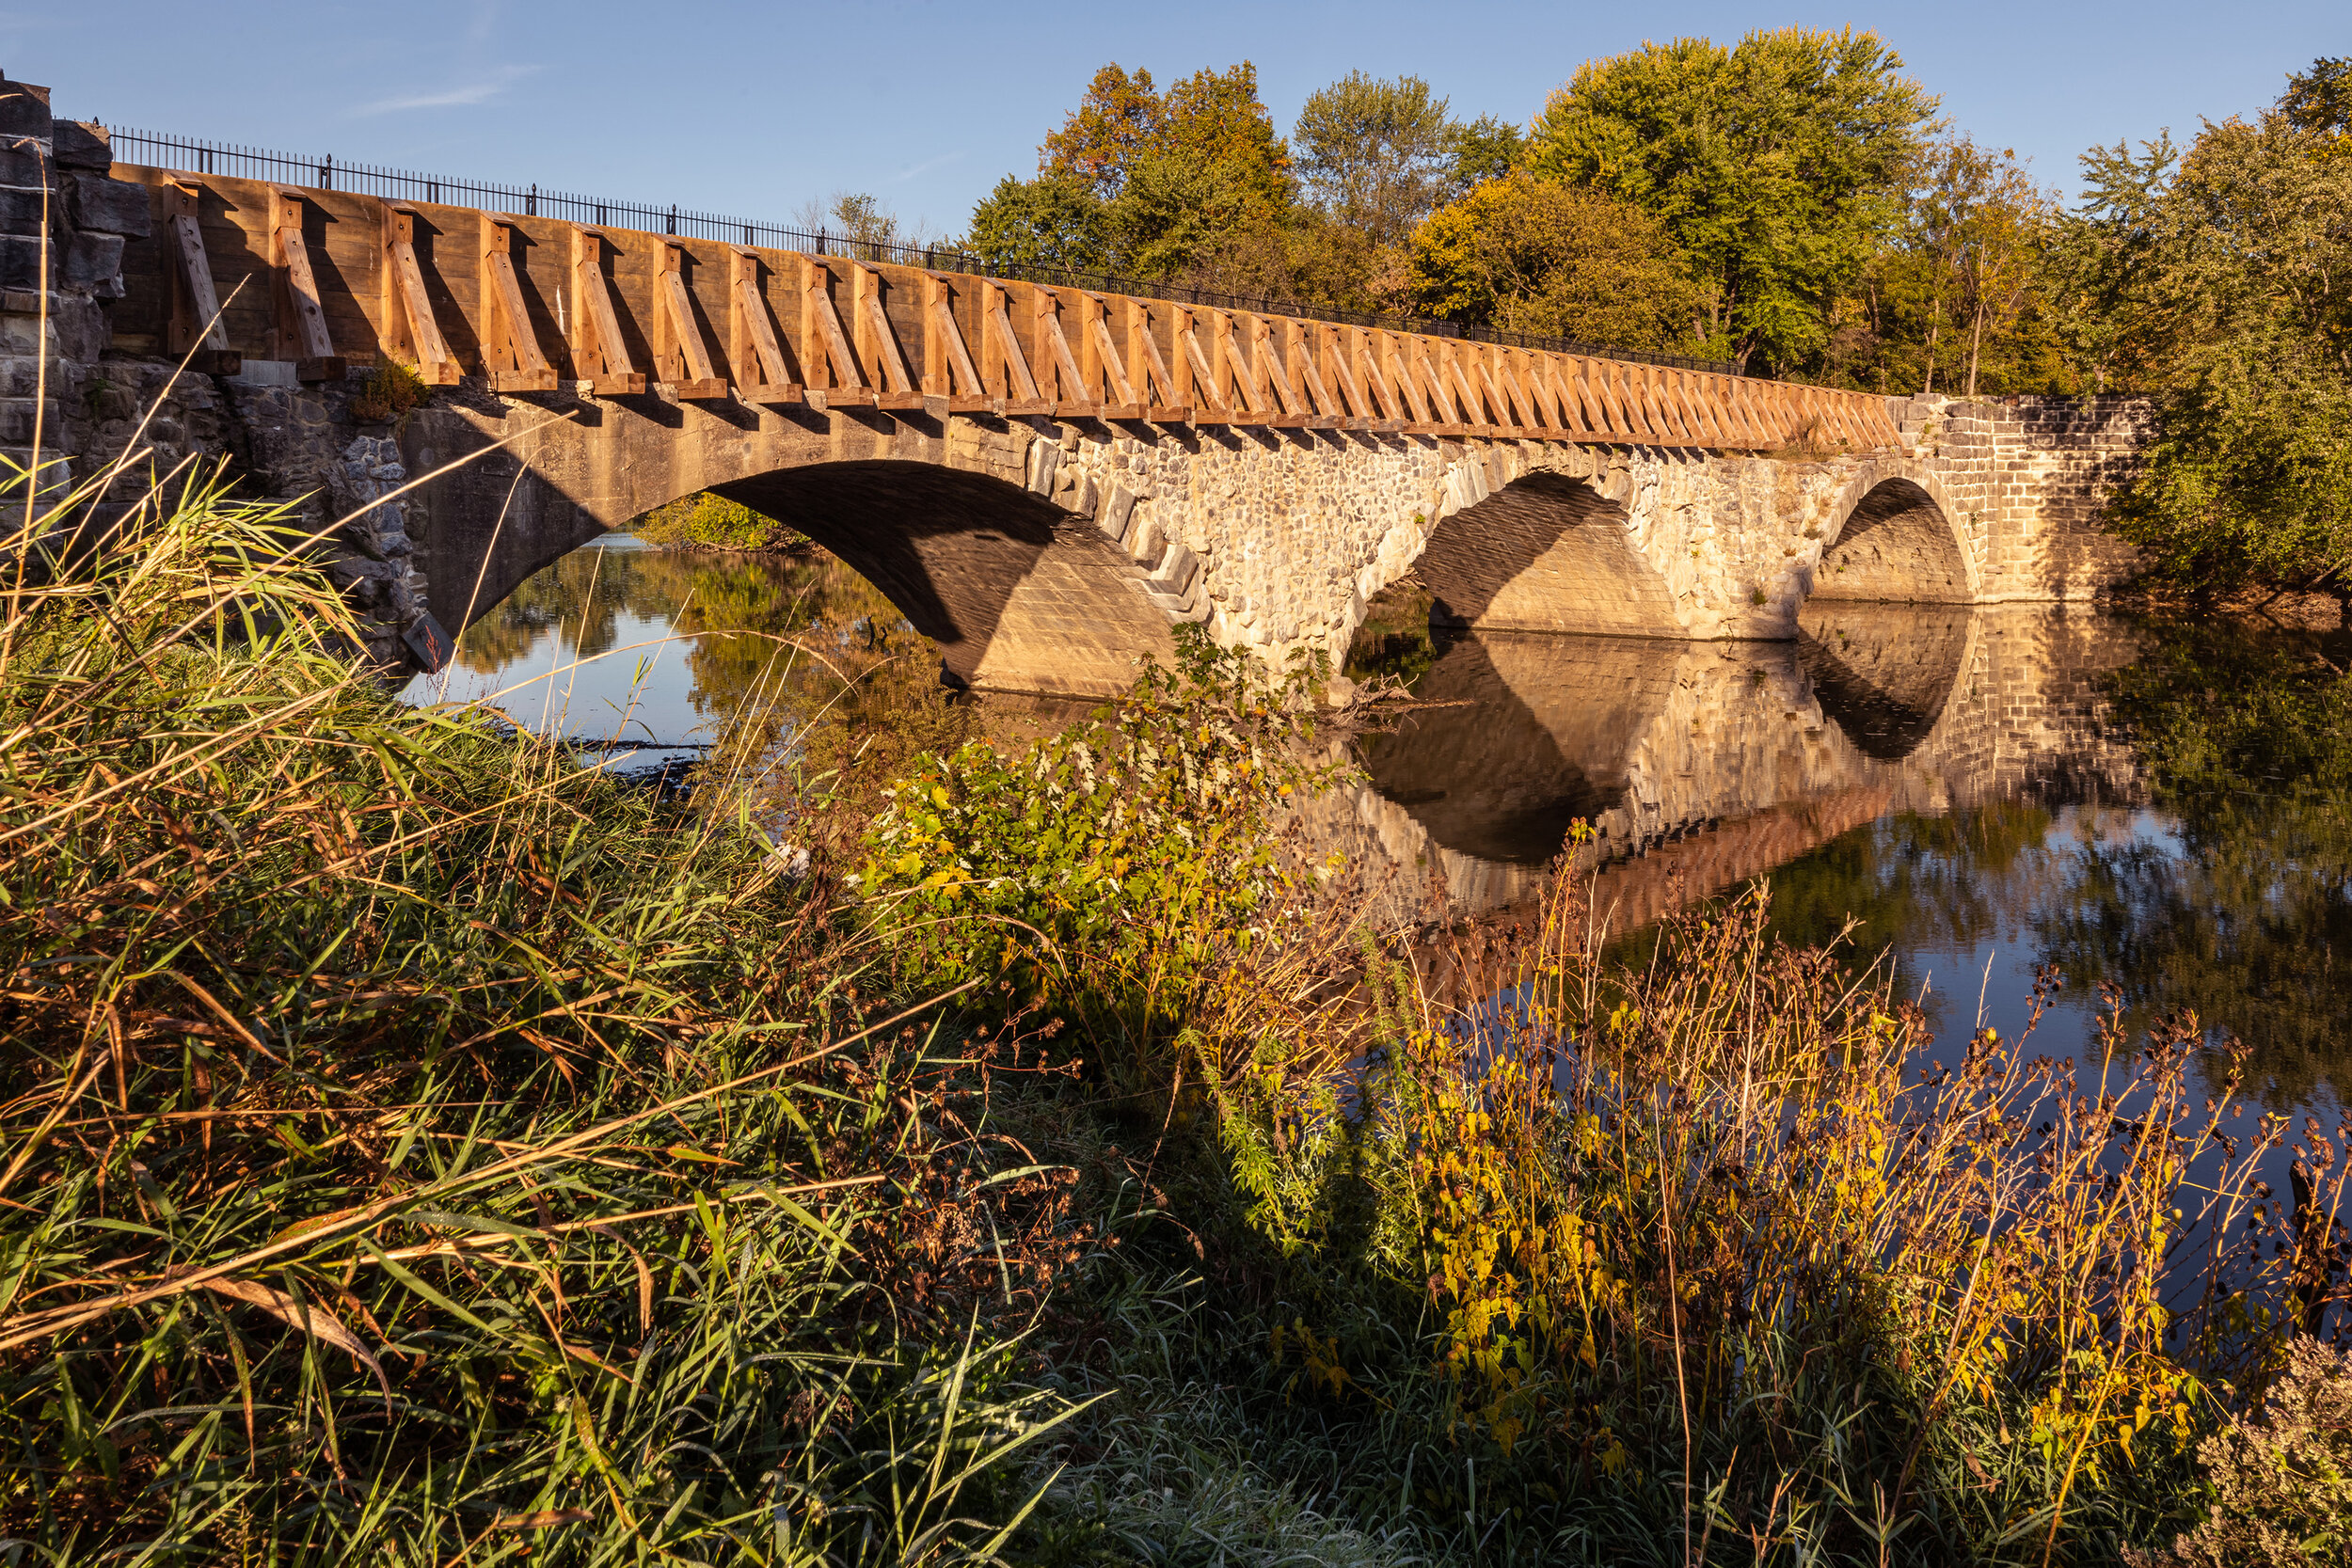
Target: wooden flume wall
(331, 278)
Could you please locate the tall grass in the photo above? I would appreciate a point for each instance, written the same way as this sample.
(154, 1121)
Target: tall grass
(421, 1149)
(1715, 1263)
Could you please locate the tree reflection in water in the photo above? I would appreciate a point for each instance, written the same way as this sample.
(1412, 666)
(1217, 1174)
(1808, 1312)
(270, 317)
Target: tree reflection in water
(2229, 896)
(795, 644)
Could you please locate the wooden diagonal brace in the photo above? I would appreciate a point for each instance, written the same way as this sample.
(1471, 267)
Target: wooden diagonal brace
(878, 341)
(195, 328)
(1004, 369)
(754, 353)
(1164, 401)
(1099, 365)
(827, 361)
(600, 354)
(948, 371)
(678, 354)
(510, 349)
(1055, 367)
(1266, 362)
(301, 335)
(1321, 409)
(410, 331)
(1197, 382)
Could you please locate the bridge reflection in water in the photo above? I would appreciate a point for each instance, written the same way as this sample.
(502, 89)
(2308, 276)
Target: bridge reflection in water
(1701, 764)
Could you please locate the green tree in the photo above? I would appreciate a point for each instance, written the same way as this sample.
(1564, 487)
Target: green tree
(1779, 166)
(1979, 225)
(2223, 283)
(1530, 255)
(1376, 155)
(1484, 148)
(1054, 220)
(1191, 184)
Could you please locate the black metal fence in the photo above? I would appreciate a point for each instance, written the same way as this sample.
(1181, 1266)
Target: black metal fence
(189, 155)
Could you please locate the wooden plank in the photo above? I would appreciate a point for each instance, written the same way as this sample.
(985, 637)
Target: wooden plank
(301, 335)
(600, 355)
(1423, 366)
(411, 332)
(1004, 369)
(754, 353)
(1056, 366)
(510, 350)
(948, 367)
(1104, 372)
(1239, 374)
(1197, 382)
(827, 362)
(1324, 411)
(1374, 375)
(1396, 351)
(1502, 370)
(1267, 361)
(878, 341)
(1164, 402)
(679, 355)
(196, 327)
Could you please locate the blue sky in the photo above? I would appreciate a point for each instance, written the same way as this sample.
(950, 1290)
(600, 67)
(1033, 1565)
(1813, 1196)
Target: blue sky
(753, 110)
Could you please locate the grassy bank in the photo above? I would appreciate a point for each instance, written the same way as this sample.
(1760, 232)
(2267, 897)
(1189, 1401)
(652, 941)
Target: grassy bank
(421, 1149)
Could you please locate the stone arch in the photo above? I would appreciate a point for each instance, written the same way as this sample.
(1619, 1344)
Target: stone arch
(1021, 593)
(1896, 543)
(1546, 552)
(1885, 673)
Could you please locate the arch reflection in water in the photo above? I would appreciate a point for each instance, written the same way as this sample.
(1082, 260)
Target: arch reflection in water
(1701, 764)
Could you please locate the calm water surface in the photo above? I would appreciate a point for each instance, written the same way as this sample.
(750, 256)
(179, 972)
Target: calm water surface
(1989, 792)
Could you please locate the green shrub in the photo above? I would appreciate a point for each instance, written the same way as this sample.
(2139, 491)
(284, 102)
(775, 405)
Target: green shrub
(1109, 865)
(709, 522)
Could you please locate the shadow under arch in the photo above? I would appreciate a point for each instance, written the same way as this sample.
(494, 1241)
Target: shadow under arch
(1537, 734)
(1018, 593)
(1544, 553)
(1883, 672)
(1896, 546)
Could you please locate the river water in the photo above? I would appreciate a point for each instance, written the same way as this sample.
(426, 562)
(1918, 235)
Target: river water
(1988, 792)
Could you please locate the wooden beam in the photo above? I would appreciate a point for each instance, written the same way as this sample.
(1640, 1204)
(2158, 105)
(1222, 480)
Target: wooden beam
(1004, 368)
(1336, 351)
(755, 354)
(827, 362)
(1266, 360)
(948, 368)
(301, 333)
(1055, 367)
(1365, 351)
(1324, 411)
(1535, 377)
(1235, 381)
(1165, 402)
(1105, 373)
(679, 357)
(600, 355)
(410, 332)
(510, 350)
(1198, 368)
(195, 328)
(1395, 352)
(878, 341)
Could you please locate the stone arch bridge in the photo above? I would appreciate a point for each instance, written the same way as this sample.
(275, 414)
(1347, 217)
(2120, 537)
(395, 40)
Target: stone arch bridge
(1047, 479)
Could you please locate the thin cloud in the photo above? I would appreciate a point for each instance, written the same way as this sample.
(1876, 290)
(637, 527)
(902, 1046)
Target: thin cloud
(480, 92)
(925, 166)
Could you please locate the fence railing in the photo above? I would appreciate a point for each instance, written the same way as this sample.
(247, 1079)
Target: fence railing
(189, 155)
